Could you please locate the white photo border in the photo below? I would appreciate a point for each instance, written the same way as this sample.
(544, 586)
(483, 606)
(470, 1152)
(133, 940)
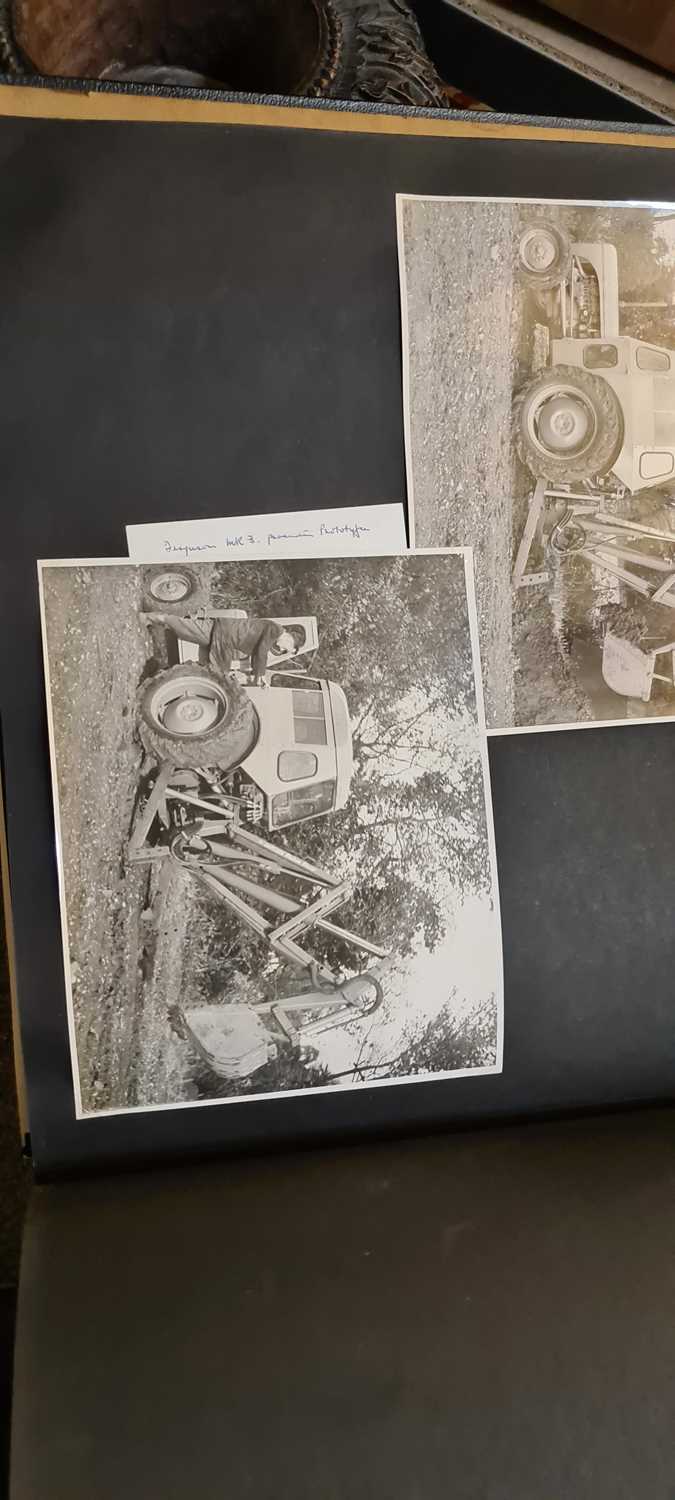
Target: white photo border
(401, 199)
(82, 1115)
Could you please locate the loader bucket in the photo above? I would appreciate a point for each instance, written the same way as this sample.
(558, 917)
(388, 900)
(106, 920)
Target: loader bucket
(232, 1039)
(626, 669)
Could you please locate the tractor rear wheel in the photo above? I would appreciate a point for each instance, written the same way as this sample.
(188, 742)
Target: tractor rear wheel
(190, 716)
(568, 425)
(544, 255)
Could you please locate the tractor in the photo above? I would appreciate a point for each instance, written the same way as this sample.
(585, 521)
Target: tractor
(596, 425)
(603, 410)
(280, 750)
(228, 753)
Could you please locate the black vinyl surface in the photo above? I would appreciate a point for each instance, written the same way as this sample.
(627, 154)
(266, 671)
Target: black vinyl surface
(487, 1316)
(196, 319)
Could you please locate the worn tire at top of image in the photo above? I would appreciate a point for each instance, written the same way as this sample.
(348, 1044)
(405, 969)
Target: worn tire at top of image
(170, 586)
(544, 255)
(223, 745)
(602, 449)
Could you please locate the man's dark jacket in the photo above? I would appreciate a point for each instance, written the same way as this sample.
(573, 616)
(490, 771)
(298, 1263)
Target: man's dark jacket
(239, 639)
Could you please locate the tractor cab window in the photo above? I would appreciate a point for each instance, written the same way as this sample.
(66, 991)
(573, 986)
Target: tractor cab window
(309, 717)
(651, 359)
(295, 680)
(303, 802)
(297, 765)
(600, 356)
(656, 465)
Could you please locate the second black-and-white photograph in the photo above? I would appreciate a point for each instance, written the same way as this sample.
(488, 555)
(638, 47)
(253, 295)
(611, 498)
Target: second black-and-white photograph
(274, 827)
(539, 396)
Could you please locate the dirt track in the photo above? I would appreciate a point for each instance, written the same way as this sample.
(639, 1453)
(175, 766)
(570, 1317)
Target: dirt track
(125, 1048)
(460, 301)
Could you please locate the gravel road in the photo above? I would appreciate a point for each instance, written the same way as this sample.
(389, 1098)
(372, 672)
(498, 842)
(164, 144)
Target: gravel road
(125, 923)
(460, 298)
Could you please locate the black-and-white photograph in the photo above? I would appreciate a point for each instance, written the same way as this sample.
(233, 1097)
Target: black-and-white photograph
(539, 396)
(276, 856)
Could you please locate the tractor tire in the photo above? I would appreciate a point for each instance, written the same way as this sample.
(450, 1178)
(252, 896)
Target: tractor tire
(226, 741)
(593, 401)
(544, 255)
(166, 587)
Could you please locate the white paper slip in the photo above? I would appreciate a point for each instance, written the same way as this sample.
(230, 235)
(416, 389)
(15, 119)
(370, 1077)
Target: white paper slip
(357, 529)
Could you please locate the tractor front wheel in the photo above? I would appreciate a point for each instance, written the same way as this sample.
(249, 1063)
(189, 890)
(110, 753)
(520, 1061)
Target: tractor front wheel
(167, 586)
(544, 255)
(192, 717)
(568, 425)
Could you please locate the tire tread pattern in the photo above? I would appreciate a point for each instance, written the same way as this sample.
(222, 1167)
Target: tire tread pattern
(223, 748)
(605, 449)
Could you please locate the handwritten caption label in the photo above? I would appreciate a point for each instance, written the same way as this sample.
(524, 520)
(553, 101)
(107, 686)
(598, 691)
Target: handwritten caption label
(359, 529)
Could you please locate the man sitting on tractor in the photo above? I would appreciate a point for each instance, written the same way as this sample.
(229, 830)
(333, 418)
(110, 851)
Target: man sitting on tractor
(238, 640)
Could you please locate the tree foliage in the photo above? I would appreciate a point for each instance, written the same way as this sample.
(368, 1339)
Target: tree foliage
(394, 633)
(445, 1044)
(645, 267)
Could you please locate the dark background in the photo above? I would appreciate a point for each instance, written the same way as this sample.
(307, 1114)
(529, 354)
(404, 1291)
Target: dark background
(501, 70)
(14, 1182)
(199, 319)
(487, 1316)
